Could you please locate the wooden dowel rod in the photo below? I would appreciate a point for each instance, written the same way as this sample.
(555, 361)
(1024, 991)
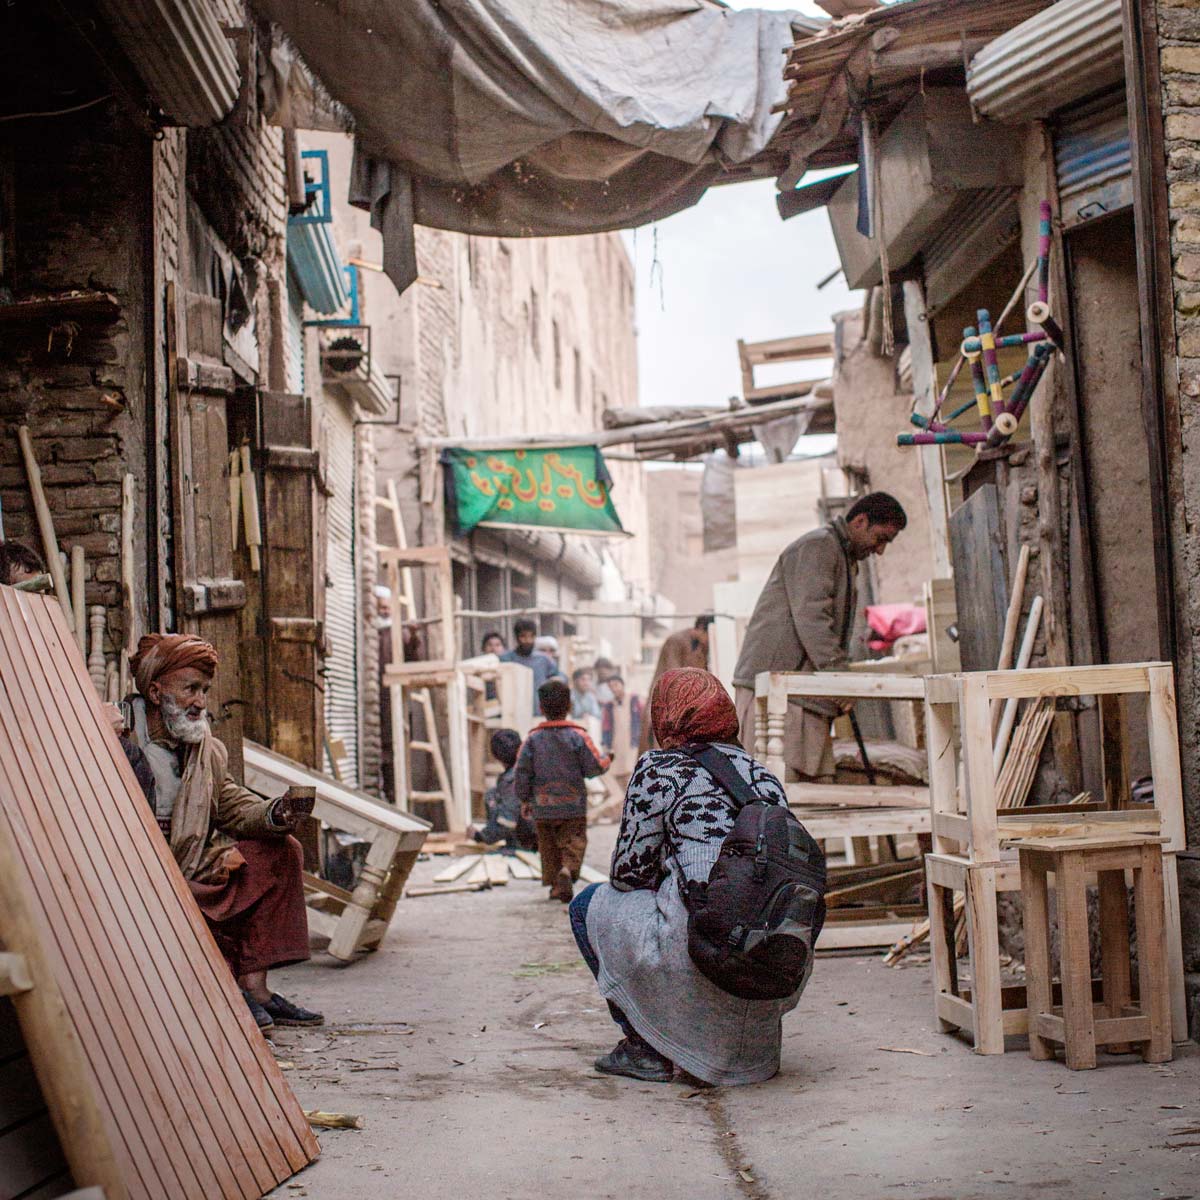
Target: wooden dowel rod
(1010, 705)
(45, 525)
(78, 584)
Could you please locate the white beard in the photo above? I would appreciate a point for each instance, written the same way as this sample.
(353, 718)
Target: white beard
(179, 725)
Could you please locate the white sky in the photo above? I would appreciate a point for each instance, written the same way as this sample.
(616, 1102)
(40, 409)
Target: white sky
(729, 268)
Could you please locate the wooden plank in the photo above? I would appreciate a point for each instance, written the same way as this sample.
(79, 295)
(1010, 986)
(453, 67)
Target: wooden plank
(519, 870)
(859, 684)
(1163, 732)
(1153, 989)
(857, 795)
(941, 612)
(1029, 825)
(854, 935)
(457, 869)
(984, 946)
(864, 822)
(142, 986)
(1038, 977)
(496, 869)
(979, 776)
(1069, 681)
(917, 324)
(980, 577)
(1075, 962)
(591, 875)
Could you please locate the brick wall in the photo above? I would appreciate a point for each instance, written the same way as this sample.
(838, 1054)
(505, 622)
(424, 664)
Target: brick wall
(79, 224)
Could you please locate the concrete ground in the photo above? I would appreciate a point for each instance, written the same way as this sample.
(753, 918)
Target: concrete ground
(466, 1044)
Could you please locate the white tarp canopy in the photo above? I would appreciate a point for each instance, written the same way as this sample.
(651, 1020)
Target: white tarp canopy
(538, 117)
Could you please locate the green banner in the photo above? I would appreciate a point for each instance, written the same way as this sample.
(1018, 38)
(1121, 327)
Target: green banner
(566, 489)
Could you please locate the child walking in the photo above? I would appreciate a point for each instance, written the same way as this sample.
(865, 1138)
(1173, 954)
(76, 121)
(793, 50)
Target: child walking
(554, 764)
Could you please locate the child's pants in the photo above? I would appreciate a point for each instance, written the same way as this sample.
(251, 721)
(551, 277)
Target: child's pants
(561, 845)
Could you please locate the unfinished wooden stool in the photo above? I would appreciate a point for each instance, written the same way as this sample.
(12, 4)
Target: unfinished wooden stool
(1080, 1025)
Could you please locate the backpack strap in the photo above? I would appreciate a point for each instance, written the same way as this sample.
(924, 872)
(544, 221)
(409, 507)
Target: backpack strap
(722, 770)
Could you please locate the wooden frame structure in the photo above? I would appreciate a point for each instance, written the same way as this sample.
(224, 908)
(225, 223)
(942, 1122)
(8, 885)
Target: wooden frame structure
(418, 680)
(843, 810)
(974, 843)
(358, 920)
(1081, 1025)
(780, 350)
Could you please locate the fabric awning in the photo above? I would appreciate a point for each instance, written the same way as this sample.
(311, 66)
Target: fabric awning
(539, 117)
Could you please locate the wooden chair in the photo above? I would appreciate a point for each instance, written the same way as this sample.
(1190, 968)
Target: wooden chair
(847, 811)
(1079, 1024)
(975, 844)
(358, 920)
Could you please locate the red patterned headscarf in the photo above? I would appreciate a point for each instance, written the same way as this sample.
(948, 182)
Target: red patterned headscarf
(690, 705)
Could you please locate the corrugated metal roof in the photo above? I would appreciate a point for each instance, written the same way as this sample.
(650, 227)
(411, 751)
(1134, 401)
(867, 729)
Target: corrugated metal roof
(1063, 54)
(341, 595)
(180, 50)
(314, 259)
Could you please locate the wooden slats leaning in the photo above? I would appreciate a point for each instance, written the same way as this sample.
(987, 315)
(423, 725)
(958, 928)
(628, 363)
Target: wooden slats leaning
(157, 1081)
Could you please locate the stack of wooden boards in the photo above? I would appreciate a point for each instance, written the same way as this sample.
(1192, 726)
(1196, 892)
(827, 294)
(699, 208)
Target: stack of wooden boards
(156, 1080)
(477, 872)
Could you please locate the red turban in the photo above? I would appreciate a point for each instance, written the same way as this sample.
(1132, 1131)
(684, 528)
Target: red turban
(161, 653)
(690, 705)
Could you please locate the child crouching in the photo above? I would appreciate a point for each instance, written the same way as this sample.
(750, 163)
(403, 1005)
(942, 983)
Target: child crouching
(555, 762)
(504, 821)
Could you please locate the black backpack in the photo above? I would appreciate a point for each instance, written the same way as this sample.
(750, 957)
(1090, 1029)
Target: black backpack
(753, 926)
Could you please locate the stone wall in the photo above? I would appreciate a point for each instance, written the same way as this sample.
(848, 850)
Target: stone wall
(1179, 62)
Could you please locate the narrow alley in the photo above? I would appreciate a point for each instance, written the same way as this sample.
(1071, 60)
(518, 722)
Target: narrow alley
(466, 1046)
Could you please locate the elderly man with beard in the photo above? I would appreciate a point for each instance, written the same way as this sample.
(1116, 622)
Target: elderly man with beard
(231, 845)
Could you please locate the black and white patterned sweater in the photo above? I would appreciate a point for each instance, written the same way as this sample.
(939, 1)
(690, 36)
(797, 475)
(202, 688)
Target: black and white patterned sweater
(674, 809)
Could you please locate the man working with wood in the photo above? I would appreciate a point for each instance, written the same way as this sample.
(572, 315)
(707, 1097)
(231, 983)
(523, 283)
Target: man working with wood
(232, 846)
(684, 648)
(803, 621)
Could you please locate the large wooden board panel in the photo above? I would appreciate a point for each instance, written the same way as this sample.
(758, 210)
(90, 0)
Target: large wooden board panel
(189, 1100)
(980, 578)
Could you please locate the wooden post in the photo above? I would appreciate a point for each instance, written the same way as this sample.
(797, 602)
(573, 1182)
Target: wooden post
(1075, 962)
(925, 393)
(980, 770)
(1152, 953)
(78, 586)
(943, 769)
(983, 934)
(45, 525)
(1039, 986)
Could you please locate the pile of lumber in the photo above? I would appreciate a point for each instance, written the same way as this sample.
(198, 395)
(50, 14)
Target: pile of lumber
(478, 872)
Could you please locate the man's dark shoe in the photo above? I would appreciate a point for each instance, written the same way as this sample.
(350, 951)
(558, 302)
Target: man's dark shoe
(284, 1012)
(638, 1061)
(262, 1018)
(563, 889)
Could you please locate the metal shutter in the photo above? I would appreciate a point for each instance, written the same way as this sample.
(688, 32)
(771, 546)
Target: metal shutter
(1091, 159)
(293, 343)
(341, 593)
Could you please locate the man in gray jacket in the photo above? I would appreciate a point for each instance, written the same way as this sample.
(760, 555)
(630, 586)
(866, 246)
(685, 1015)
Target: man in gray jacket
(803, 621)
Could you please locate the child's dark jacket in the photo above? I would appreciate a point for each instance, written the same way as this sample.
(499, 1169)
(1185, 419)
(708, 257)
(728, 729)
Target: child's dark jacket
(555, 761)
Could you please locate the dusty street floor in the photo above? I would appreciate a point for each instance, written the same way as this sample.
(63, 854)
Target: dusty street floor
(466, 1044)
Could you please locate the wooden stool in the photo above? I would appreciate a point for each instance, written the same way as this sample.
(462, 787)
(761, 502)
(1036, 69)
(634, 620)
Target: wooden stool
(1080, 1025)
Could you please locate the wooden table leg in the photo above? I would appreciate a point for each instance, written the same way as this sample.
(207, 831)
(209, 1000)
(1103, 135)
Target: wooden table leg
(1039, 986)
(941, 952)
(1114, 947)
(984, 940)
(1076, 963)
(1153, 995)
(361, 908)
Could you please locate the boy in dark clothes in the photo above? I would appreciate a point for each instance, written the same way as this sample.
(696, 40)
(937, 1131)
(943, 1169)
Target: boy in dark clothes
(505, 823)
(554, 764)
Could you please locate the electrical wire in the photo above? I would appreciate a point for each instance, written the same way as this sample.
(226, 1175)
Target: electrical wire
(56, 112)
